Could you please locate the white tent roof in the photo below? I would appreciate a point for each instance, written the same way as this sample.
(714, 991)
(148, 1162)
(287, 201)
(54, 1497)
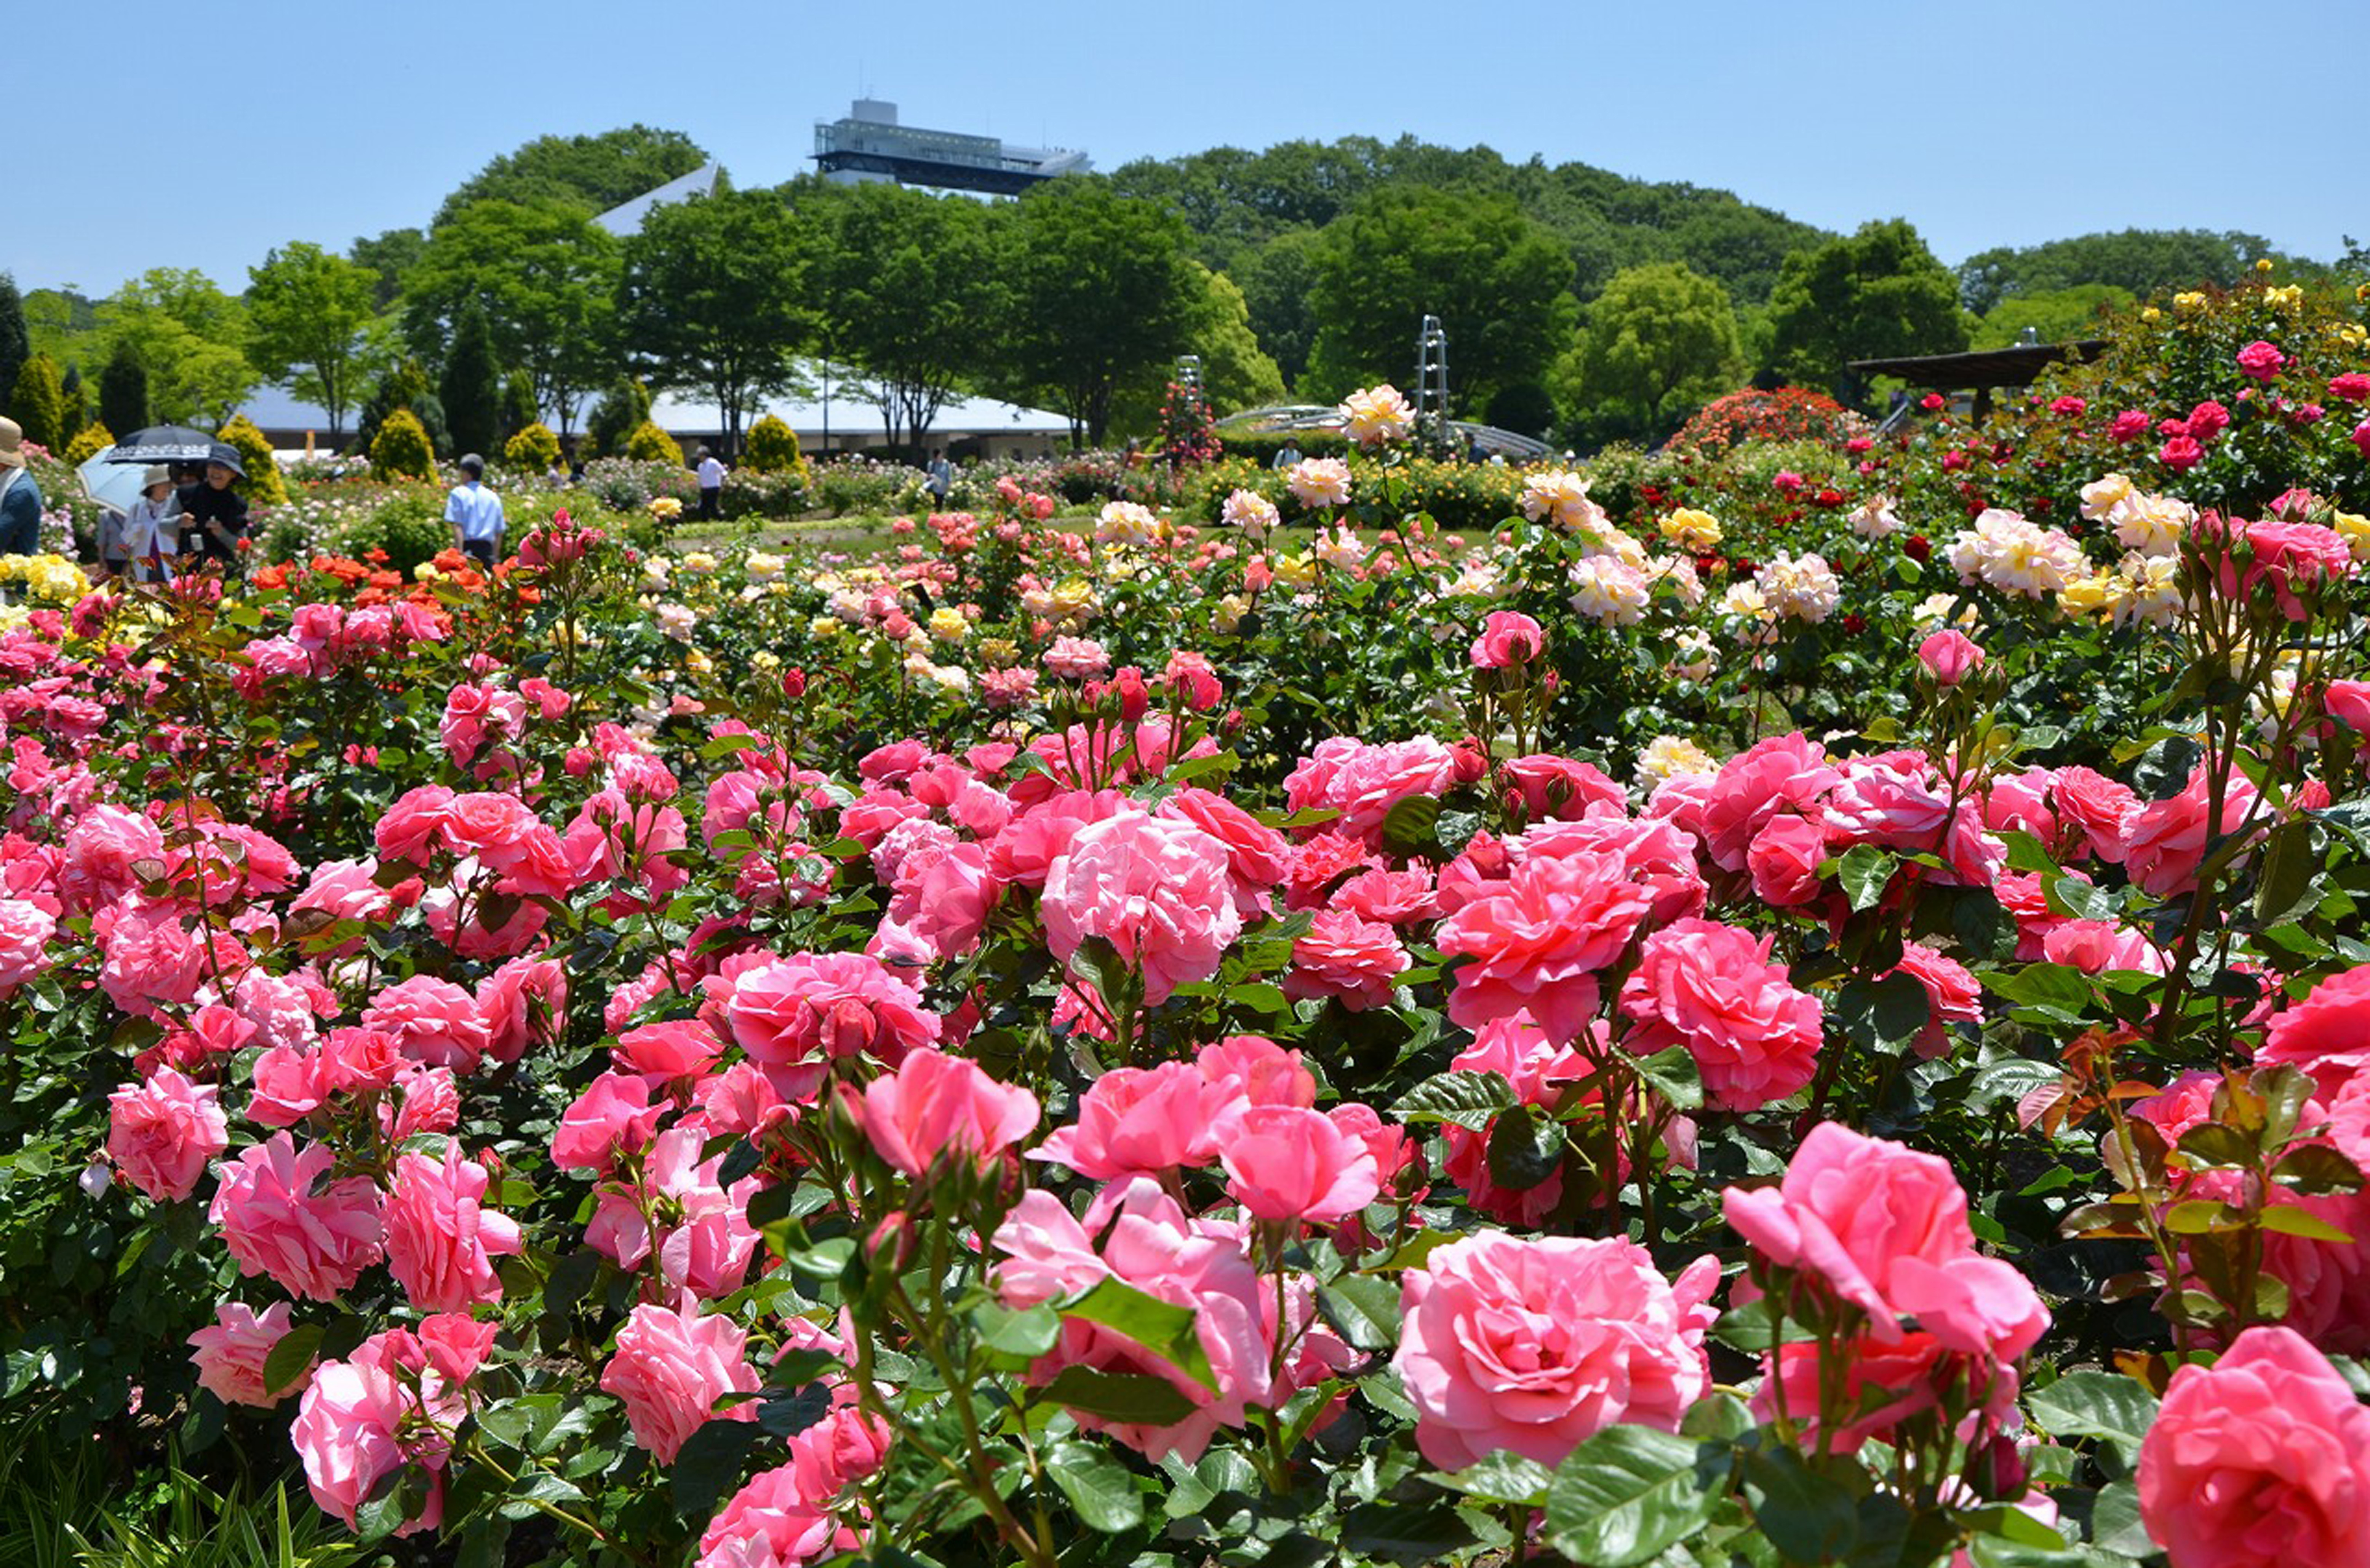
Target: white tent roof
(856, 420)
(627, 218)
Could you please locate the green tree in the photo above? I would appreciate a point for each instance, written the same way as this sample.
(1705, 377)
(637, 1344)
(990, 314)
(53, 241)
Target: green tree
(1496, 281)
(1103, 291)
(471, 386)
(191, 336)
(15, 339)
(2057, 316)
(391, 255)
(263, 484)
(1660, 341)
(712, 298)
(123, 389)
(518, 405)
(1878, 293)
(546, 276)
(1236, 373)
(2138, 260)
(590, 174)
(911, 295)
(623, 404)
(35, 400)
(1276, 278)
(309, 314)
(73, 407)
(402, 448)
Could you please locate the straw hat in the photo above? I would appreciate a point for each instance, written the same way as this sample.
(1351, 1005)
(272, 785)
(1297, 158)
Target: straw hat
(12, 444)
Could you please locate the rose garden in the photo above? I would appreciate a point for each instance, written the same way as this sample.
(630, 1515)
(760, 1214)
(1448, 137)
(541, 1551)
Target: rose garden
(1800, 999)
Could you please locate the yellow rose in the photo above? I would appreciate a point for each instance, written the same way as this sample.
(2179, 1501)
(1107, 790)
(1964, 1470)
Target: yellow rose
(824, 626)
(1297, 571)
(946, 624)
(2188, 300)
(2356, 529)
(2263, 264)
(2090, 595)
(2151, 314)
(1691, 530)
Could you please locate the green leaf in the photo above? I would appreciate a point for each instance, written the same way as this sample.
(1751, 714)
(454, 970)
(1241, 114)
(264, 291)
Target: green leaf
(1673, 1074)
(1161, 1327)
(1808, 1517)
(290, 1357)
(1102, 1492)
(1502, 1480)
(2095, 1404)
(1467, 1100)
(1129, 1397)
(2285, 884)
(1864, 871)
(1365, 1308)
(1526, 1147)
(1629, 1493)
(710, 1465)
(1027, 1334)
(2287, 1219)
(1884, 1016)
(2056, 986)
(1410, 827)
(2316, 1168)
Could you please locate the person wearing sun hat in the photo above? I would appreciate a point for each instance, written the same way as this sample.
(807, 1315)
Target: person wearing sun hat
(151, 530)
(214, 515)
(20, 495)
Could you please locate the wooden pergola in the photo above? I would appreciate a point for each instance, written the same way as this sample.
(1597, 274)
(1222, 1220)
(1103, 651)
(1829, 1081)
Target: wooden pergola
(1984, 369)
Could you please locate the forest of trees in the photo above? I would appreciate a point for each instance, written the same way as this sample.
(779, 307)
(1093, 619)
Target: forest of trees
(1577, 303)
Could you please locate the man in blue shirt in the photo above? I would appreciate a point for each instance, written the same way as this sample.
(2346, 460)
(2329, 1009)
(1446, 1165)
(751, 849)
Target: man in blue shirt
(476, 513)
(20, 497)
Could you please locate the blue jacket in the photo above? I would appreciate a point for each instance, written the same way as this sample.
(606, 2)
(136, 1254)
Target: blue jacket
(20, 509)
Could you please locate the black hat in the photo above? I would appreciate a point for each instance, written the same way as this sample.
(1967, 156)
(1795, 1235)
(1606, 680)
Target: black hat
(224, 453)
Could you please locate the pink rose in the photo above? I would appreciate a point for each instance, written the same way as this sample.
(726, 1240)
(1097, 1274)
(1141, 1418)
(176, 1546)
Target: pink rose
(1507, 637)
(108, 852)
(2260, 360)
(1363, 781)
(1531, 1347)
(314, 1244)
(1537, 945)
(2097, 805)
(1560, 787)
(1884, 1229)
(2260, 1460)
(1950, 656)
(2348, 702)
(2207, 421)
(440, 1240)
(162, 1132)
(393, 1403)
(2164, 841)
(151, 959)
(1952, 996)
(2129, 425)
(1160, 891)
(1753, 786)
(2180, 453)
(1784, 860)
(1257, 855)
(229, 1353)
(433, 1021)
(795, 1015)
(670, 1367)
(1141, 1121)
(25, 932)
(1882, 1385)
(1711, 988)
(936, 1105)
(2326, 1033)
(524, 1003)
(1343, 956)
(613, 1116)
(783, 1518)
(1286, 1163)
(702, 1240)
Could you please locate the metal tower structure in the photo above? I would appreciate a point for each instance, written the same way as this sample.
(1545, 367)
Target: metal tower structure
(1432, 383)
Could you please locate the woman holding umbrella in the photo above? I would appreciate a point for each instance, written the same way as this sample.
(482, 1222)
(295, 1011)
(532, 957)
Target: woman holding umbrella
(214, 515)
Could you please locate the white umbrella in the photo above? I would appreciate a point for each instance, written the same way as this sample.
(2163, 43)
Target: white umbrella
(113, 485)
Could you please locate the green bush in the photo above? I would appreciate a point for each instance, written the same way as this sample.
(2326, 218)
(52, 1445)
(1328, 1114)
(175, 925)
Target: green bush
(772, 447)
(1263, 445)
(402, 449)
(263, 481)
(624, 404)
(88, 444)
(648, 443)
(410, 529)
(534, 449)
(39, 401)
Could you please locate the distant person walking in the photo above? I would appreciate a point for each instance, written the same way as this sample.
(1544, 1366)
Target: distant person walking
(1286, 455)
(20, 495)
(711, 487)
(214, 515)
(476, 513)
(941, 483)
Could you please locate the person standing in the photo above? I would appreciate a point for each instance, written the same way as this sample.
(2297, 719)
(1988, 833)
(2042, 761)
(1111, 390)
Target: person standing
(214, 515)
(1286, 456)
(711, 487)
(20, 495)
(941, 481)
(151, 530)
(476, 513)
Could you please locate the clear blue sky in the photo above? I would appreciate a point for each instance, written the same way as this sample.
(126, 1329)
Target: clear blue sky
(1983, 124)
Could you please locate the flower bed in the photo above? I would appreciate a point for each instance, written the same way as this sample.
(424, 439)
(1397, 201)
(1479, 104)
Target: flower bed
(1751, 1026)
